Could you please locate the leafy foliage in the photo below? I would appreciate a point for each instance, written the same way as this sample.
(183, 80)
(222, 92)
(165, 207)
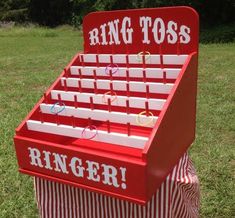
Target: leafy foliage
(52, 13)
(14, 10)
(220, 34)
(19, 15)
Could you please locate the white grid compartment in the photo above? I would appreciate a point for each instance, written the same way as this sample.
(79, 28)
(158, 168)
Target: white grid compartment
(118, 85)
(134, 72)
(133, 58)
(79, 72)
(76, 132)
(100, 115)
(135, 102)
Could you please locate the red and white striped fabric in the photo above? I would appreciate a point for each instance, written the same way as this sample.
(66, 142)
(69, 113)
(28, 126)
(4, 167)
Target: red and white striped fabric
(178, 197)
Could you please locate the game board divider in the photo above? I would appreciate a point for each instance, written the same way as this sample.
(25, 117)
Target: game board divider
(117, 85)
(132, 79)
(139, 102)
(136, 72)
(178, 59)
(76, 132)
(88, 91)
(115, 108)
(98, 123)
(99, 115)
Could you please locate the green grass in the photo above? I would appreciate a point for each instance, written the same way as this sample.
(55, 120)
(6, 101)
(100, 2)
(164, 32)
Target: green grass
(32, 58)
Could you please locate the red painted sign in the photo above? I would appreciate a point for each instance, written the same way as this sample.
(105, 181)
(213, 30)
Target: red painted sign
(146, 29)
(68, 164)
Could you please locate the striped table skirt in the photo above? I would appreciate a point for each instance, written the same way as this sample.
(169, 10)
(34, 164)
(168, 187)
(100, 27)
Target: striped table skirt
(178, 197)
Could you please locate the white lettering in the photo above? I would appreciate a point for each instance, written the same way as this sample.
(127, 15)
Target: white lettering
(123, 174)
(92, 168)
(184, 34)
(126, 32)
(145, 23)
(158, 30)
(103, 34)
(76, 167)
(171, 32)
(93, 36)
(35, 157)
(47, 159)
(110, 175)
(60, 163)
(117, 32)
(113, 32)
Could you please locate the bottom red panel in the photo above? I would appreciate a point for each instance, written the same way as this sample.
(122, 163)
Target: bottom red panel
(71, 165)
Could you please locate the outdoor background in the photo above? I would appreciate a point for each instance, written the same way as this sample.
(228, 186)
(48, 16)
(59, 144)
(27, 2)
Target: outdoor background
(39, 37)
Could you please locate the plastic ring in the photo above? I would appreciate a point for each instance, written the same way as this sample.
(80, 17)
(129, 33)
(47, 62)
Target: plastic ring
(52, 109)
(113, 67)
(146, 55)
(111, 94)
(146, 123)
(91, 127)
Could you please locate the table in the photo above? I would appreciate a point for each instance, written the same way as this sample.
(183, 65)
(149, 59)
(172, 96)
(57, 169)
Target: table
(178, 196)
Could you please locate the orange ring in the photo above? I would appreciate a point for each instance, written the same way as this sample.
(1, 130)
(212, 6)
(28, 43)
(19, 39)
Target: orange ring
(139, 59)
(146, 123)
(109, 93)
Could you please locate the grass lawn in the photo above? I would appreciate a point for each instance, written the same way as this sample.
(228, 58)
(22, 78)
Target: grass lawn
(32, 58)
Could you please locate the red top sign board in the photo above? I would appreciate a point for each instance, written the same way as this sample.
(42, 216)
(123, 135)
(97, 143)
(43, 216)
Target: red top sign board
(166, 29)
(122, 113)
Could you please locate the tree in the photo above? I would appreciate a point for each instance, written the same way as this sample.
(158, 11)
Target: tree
(50, 12)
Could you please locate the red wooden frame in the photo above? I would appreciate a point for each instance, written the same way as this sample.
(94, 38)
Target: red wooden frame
(170, 137)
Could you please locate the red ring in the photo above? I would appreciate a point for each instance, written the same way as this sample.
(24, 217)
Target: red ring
(90, 127)
(111, 67)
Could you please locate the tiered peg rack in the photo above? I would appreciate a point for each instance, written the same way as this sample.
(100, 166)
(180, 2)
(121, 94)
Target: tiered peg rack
(115, 115)
(85, 96)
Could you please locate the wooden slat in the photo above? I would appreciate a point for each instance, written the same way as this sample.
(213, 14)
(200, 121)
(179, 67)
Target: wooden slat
(134, 86)
(76, 132)
(135, 102)
(134, 58)
(174, 59)
(100, 115)
(157, 73)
